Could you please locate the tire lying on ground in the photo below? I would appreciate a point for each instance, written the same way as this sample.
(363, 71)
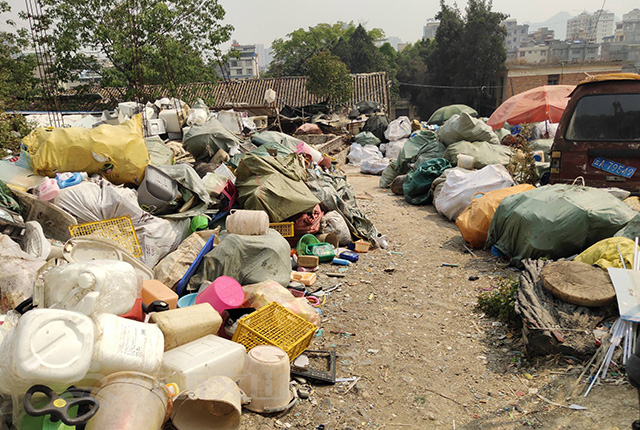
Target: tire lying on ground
(578, 283)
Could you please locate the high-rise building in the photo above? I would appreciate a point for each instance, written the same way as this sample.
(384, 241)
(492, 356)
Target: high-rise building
(516, 34)
(265, 56)
(592, 27)
(631, 26)
(429, 30)
(243, 61)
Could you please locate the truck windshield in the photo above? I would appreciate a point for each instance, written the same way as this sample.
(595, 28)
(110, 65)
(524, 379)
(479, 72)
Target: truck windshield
(606, 117)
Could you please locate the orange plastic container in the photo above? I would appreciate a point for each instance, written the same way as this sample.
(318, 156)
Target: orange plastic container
(153, 290)
(305, 278)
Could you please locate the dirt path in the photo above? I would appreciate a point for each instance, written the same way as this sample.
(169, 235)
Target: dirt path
(423, 356)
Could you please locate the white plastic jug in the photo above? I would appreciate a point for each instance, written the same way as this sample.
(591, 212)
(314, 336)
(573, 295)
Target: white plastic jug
(251, 223)
(126, 345)
(100, 286)
(191, 364)
(48, 346)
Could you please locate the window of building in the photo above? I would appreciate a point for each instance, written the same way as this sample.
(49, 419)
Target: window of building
(234, 64)
(522, 54)
(247, 63)
(522, 31)
(514, 39)
(543, 53)
(553, 80)
(248, 71)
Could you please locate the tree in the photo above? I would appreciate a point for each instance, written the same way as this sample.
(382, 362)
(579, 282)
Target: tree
(291, 54)
(155, 41)
(412, 72)
(363, 55)
(329, 78)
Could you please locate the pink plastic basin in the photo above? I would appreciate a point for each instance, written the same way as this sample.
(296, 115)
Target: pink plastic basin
(223, 293)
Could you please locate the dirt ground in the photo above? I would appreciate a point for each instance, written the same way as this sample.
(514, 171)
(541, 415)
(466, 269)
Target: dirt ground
(406, 327)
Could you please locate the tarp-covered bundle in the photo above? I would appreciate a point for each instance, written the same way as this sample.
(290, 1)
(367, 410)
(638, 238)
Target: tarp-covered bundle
(203, 141)
(422, 146)
(460, 187)
(417, 187)
(377, 125)
(274, 185)
(464, 127)
(483, 153)
(475, 220)
(116, 151)
(555, 221)
(335, 193)
(366, 138)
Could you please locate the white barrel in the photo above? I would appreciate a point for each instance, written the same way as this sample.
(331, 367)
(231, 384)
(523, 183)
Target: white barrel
(466, 161)
(250, 223)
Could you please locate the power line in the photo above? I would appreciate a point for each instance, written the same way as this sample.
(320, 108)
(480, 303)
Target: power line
(449, 87)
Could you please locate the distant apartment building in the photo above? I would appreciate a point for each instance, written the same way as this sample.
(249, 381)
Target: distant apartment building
(516, 34)
(429, 31)
(631, 26)
(535, 54)
(265, 56)
(543, 35)
(243, 62)
(593, 27)
(625, 45)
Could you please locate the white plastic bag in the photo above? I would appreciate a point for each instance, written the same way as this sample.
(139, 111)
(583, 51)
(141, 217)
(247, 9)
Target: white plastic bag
(460, 187)
(393, 148)
(358, 154)
(398, 129)
(374, 167)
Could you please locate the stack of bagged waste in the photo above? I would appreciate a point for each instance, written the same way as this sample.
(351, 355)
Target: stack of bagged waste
(166, 272)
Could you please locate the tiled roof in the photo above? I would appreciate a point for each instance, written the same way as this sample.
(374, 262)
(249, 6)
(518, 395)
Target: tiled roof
(290, 91)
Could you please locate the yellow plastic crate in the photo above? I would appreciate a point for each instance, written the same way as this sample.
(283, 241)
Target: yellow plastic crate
(275, 325)
(119, 230)
(284, 228)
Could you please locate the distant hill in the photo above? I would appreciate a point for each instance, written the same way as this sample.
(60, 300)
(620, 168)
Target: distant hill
(557, 23)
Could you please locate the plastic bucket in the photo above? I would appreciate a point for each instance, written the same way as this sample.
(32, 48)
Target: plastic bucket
(251, 223)
(266, 379)
(223, 293)
(188, 300)
(215, 404)
(130, 401)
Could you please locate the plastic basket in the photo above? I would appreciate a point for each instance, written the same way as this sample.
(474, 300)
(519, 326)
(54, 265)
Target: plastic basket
(119, 230)
(284, 228)
(275, 325)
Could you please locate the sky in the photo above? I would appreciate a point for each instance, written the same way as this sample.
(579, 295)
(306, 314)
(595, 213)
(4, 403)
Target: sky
(262, 21)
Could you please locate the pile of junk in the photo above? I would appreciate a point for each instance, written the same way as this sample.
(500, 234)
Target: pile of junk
(167, 280)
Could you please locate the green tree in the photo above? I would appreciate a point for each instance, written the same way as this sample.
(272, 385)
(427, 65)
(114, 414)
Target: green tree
(329, 78)
(18, 83)
(412, 72)
(363, 55)
(153, 41)
(291, 54)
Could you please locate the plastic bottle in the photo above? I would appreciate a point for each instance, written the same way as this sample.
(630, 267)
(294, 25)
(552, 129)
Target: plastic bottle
(48, 189)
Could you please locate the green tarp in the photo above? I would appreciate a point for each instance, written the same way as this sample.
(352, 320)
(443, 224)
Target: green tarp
(421, 146)
(555, 221)
(268, 149)
(484, 153)
(417, 187)
(203, 141)
(275, 185)
(367, 138)
(388, 175)
(444, 113)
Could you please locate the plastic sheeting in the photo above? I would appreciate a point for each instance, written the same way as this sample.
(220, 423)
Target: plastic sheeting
(475, 220)
(203, 141)
(460, 187)
(92, 201)
(388, 175)
(606, 253)
(159, 153)
(116, 151)
(464, 127)
(18, 273)
(366, 138)
(484, 153)
(249, 259)
(174, 266)
(274, 185)
(417, 186)
(423, 145)
(335, 193)
(555, 221)
(189, 179)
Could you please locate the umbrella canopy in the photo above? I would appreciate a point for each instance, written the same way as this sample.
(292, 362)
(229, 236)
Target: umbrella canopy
(546, 102)
(440, 116)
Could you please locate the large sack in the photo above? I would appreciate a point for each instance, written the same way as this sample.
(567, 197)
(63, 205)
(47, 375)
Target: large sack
(388, 175)
(377, 124)
(18, 273)
(464, 127)
(397, 186)
(249, 259)
(606, 253)
(392, 149)
(274, 185)
(398, 129)
(555, 221)
(92, 201)
(187, 177)
(203, 141)
(172, 268)
(460, 187)
(333, 222)
(417, 186)
(475, 220)
(483, 153)
(423, 144)
(117, 152)
(374, 167)
(358, 154)
(366, 138)
(159, 153)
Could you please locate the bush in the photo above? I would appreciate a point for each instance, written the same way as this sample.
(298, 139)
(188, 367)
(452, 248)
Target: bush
(500, 302)
(13, 128)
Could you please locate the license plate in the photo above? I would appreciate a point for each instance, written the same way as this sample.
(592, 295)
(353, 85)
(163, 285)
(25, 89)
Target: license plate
(613, 167)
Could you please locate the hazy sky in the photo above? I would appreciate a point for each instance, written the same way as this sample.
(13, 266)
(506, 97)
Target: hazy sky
(262, 21)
